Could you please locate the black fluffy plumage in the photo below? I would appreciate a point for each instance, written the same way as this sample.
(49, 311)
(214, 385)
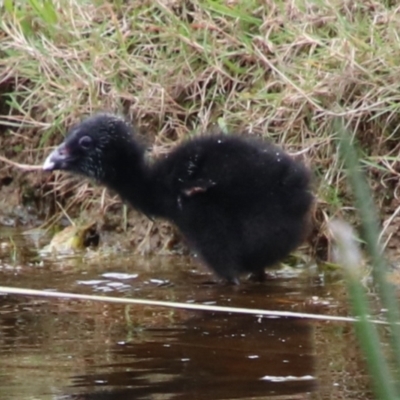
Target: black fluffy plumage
(242, 204)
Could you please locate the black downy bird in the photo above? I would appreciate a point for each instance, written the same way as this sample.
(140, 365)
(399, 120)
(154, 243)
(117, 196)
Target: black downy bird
(243, 204)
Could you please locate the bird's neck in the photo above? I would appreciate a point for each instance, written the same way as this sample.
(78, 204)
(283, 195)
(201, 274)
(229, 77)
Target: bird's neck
(133, 182)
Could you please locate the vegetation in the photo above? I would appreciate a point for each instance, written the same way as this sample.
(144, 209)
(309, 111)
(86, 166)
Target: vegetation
(383, 365)
(281, 69)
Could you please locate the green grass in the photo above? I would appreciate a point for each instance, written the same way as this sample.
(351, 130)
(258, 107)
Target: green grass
(383, 365)
(280, 69)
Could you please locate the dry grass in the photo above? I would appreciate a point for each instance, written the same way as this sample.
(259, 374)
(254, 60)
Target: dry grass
(282, 69)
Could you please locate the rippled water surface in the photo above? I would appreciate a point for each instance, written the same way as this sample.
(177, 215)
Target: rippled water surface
(74, 349)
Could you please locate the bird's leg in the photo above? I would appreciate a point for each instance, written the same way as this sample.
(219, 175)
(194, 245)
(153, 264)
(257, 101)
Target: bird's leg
(258, 276)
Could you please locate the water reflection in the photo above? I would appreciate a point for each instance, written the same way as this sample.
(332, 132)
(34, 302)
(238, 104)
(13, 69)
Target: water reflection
(213, 357)
(183, 356)
(68, 349)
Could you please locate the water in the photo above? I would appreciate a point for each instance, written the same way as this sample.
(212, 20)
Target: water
(70, 349)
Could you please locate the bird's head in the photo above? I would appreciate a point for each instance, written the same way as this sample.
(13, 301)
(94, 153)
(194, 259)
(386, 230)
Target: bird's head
(94, 148)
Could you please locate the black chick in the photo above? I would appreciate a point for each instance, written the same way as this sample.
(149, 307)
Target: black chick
(243, 204)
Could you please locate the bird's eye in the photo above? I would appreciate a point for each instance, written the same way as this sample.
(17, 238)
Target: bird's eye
(85, 142)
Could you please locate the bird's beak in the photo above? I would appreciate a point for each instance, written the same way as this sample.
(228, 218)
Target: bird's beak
(57, 159)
